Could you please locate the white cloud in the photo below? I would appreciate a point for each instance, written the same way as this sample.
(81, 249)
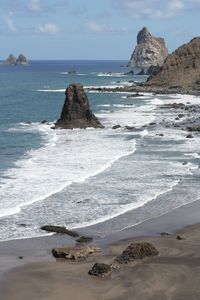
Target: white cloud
(34, 5)
(9, 23)
(95, 27)
(49, 28)
(174, 8)
(150, 8)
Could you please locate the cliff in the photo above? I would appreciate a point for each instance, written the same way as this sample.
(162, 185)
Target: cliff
(181, 68)
(76, 111)
(150, 51)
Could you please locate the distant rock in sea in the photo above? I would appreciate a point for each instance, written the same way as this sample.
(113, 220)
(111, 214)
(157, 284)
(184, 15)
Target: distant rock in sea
(76, 111)
(181, 68)
(22, 60)
(150, 51)
(12, 60)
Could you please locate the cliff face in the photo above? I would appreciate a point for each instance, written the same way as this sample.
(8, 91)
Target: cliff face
(76, 111)
(150, 50)
(181, 68)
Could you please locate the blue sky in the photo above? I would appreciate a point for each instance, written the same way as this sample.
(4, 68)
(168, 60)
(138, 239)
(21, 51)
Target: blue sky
(92, 29)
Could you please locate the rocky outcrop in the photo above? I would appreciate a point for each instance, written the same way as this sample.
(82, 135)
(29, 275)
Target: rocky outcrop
(76, 111)
(181, 68)
(60, 230)
(12, 60)
(84, 239)
(100, 270)
(136, 251)
(22, 60)
(150, 51)
(77, 253)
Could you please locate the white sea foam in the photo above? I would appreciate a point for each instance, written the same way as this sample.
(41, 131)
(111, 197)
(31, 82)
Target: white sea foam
(116, 105)
(110, 86)
(49, 169)
(157, 101)
(110, 74)
(192, 154)
(52, 90)
(130, 116)
(185, 99)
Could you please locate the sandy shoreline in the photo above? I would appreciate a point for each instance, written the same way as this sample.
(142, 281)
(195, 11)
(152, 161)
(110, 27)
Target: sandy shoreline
(174, 274)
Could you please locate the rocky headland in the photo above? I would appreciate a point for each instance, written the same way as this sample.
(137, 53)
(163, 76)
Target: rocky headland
(180, 74)
(76, 111)
(181, 68)
(150, 51)
(21, 60)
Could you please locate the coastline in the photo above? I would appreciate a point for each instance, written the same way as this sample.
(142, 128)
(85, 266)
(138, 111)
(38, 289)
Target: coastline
(39, 248)
(148, 88)
(32, 257)
(66, 280)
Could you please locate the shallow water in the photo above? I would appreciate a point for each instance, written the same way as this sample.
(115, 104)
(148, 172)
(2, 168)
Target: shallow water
(77, 177)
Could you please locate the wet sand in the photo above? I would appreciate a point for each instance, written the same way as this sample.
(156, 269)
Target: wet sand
(174, 274)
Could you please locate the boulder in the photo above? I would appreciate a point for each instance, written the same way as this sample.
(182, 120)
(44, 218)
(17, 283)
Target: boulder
(76, 253)
(84, 239)
(150, 51)
(116, 127)
(136, 251)
(100, 270)
(193, 128)
(189, 136)
(60, 229)
(76, 111)
(135, 95)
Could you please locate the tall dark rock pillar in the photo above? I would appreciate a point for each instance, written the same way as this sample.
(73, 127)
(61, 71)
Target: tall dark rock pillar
(76, 111)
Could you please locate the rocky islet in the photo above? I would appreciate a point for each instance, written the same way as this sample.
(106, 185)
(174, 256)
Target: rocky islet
(76, 111)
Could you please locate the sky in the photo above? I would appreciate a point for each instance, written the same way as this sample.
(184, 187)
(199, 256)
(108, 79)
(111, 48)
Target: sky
(92, 29)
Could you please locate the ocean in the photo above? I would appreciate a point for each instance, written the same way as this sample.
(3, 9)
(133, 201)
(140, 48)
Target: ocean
(102, 178)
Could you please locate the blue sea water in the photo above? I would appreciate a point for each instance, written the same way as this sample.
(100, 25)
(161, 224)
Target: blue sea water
(77, 177)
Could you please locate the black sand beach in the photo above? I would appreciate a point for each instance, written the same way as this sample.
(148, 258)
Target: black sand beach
(174, 274)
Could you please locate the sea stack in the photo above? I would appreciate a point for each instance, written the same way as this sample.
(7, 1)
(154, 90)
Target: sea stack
(76, 111)
(150, 51)
(181, 68)
(13, 61)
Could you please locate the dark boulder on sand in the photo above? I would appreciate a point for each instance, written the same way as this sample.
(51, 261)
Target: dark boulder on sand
(76, 111)
(100, 270)
(77, 253)
(60, 229)
(136, 251)
(84, 239)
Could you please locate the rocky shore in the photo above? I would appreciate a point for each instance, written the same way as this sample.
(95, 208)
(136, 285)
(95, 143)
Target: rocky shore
(146, 88)
(163, 267)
